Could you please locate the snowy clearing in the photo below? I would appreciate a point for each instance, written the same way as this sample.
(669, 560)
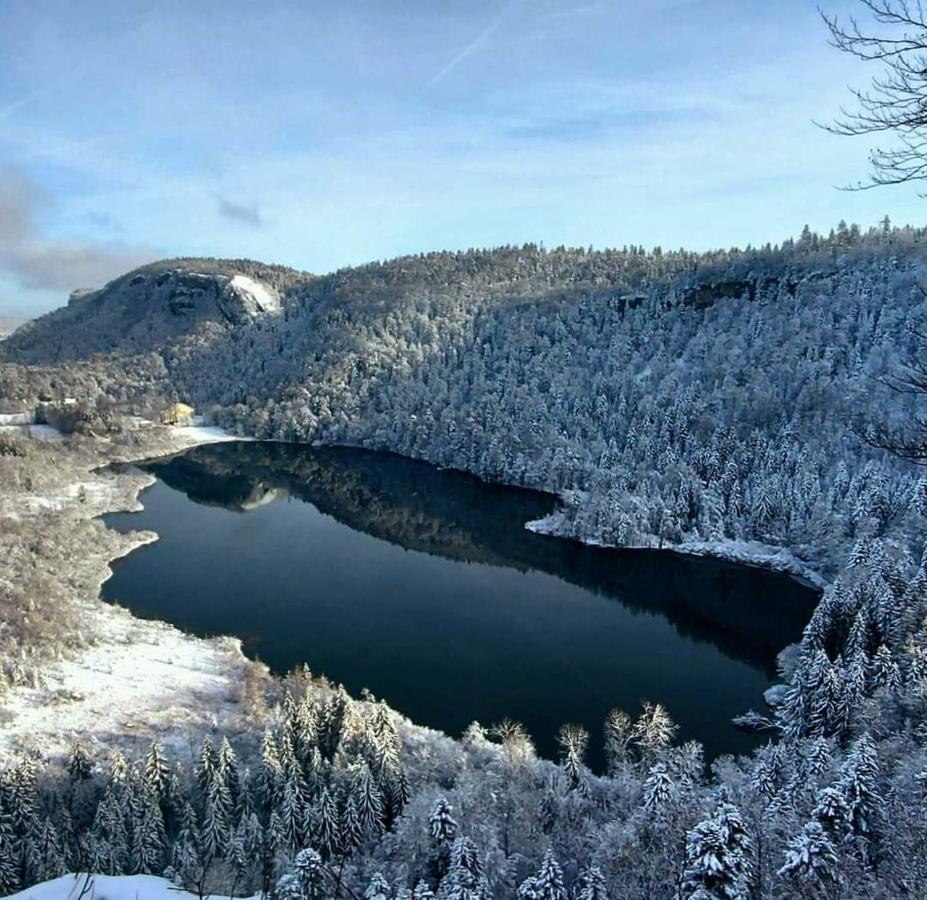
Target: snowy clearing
(103, 887)
(130, 679)
(198, 433)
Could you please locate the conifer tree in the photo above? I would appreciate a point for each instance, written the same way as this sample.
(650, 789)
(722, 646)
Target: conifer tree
(464, 879)
(547, 884)
(80, 766)
(717, 860)
(378, 888)
(811, 856)
(157, 772)
(658, 788)
(590, 885)
(310, 874)
(573, 740)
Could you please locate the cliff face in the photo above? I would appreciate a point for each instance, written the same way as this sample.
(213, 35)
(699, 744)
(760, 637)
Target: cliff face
(144, 310)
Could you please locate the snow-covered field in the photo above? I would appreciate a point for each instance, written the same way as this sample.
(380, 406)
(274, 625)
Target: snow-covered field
(134, 679)
(103, 887)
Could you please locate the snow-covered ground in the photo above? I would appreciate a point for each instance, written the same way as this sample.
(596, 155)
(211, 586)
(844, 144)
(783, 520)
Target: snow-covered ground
(198, 433)
(752, 553)
(22, 418)
(103, 887)
(137, 681)
(134, 679)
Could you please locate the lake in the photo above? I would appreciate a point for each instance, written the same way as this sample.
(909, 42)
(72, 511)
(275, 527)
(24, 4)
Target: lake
(424, 586)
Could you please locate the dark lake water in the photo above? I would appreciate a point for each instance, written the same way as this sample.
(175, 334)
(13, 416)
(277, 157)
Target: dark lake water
(424, 586)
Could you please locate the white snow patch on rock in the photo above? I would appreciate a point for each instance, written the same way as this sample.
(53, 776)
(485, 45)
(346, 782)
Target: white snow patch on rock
(265, 299)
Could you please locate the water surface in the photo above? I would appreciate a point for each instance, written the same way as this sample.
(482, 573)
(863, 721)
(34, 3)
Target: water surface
(423, 586)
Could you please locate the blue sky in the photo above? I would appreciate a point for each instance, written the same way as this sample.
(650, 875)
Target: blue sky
(325, 134)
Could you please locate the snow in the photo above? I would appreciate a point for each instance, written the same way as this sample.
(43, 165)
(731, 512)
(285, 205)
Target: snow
(198, 433)
(754, 553)
(134, 679)
(140, 679)
(40, 432)
(103, 887)
(258, 292)
(16, 418)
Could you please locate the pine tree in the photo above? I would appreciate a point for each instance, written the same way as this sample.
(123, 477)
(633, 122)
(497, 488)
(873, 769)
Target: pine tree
(80, 765)
(811, 855)
(216, 829)
(292, 815)
(547, 813)
(422, 891)
(441, 823)
(590, 885)
(148, 834)
(206, 767)
(157, 772)
(237, 857)
(464, 879)
(717, 862)
(443, 830)
(9, 865)
(378, 888)
(325, 825)
(573, 740)
(658, 788)
(547, 884)
(859, 784)
(350, 831)
(310, 874)
(226, 769)
(368, 801)
(270, 777)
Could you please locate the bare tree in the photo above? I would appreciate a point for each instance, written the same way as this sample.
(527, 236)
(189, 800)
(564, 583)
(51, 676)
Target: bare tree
(908, 442)
(895, 103)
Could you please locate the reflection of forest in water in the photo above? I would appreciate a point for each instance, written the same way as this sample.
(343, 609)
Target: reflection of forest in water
(748, 613)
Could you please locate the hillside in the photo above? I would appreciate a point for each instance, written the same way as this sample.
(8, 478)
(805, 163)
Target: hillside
(679, 398)
(9, 324)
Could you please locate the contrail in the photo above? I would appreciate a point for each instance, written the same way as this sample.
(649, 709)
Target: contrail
(475, 45)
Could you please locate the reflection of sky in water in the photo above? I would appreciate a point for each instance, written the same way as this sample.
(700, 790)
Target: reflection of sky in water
(424, 587)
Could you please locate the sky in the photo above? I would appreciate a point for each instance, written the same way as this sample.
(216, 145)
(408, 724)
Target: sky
(327, 134)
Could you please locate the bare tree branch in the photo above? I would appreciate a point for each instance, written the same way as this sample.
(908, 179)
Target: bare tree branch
(895, 103)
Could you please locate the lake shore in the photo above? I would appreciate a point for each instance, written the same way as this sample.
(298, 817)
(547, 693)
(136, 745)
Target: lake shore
(126, 679)
(117, 678)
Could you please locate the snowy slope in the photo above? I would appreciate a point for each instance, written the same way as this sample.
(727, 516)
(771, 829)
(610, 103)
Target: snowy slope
(104, 887)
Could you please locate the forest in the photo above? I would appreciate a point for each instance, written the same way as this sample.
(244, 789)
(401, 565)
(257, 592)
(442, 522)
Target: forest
(710, 402)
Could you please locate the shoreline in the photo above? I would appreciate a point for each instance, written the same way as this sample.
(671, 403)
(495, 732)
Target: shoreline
(159, 683)
(130, 680)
